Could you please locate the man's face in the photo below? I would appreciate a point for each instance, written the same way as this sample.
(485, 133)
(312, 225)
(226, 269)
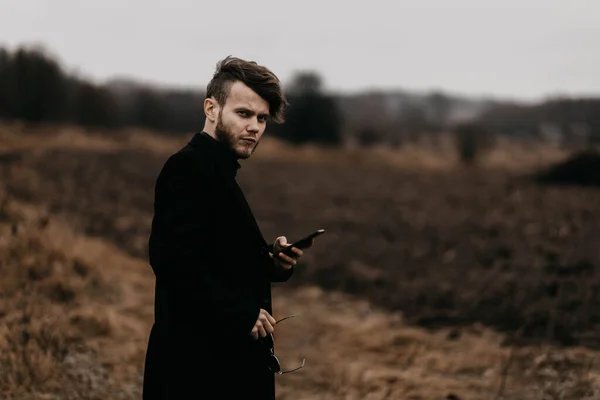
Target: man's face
(242, 120)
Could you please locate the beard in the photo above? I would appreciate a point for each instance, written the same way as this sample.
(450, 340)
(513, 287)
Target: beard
(229, 138)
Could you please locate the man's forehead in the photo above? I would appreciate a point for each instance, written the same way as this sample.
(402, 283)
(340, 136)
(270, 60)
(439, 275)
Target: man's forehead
(241, 95)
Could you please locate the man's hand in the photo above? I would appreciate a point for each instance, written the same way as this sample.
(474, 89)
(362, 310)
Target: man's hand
(282, 260)
(264, 325)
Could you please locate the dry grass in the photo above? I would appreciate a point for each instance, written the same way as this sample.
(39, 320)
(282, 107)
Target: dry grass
(76, 312)
(75, 309)
(357, 351)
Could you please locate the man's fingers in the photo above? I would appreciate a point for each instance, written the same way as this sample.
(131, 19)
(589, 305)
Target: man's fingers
(282, 241)
(287, 259)
(265, 324)
(264, 314)
(268, 326)
(261, 331)
(266, 320)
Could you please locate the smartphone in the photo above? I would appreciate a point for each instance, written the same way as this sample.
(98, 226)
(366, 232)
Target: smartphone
(302, 243)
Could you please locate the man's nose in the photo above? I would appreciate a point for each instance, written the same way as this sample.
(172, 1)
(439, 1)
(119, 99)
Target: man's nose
(253, 125)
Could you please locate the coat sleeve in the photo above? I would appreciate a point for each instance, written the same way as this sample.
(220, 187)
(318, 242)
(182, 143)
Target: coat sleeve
(182, 250)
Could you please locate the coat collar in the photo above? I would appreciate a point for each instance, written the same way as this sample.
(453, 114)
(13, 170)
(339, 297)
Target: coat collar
(226, 157)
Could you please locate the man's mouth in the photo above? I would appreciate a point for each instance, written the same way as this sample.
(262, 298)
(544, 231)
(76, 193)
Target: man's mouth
(249, 140)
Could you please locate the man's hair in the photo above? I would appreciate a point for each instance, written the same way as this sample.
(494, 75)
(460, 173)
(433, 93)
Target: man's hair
(256, 77)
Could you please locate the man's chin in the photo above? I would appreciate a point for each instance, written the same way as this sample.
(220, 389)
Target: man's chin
(244, 152)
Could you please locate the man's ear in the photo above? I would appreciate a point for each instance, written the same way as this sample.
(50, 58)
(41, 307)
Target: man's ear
(211, 109)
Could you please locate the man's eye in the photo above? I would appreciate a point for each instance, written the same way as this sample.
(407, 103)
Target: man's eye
(243, 113)
(263, 118)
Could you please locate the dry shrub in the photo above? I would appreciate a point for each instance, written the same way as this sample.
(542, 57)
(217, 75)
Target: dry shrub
(553, 374)
(45, 317)
(581, 169)
(472, 141)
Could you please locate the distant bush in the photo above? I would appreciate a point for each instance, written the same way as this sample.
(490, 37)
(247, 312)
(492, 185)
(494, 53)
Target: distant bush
(368, 137)
(92, 106)
(32, 86)
(581, 169)
(471, 140)
(312, 116)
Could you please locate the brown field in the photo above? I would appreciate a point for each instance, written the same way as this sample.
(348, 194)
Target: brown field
(432, 282)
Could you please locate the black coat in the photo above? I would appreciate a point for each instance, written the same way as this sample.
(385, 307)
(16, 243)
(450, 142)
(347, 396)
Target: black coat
(213, 275)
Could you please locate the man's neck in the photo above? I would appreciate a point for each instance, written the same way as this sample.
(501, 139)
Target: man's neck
(210, 131)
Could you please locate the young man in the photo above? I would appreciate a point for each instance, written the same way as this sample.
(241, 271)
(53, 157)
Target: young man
(213, 268)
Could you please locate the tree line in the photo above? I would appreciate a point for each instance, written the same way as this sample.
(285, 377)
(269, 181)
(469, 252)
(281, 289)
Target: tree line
(35, 88)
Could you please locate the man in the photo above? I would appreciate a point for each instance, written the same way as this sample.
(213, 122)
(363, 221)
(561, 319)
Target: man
(212, 265)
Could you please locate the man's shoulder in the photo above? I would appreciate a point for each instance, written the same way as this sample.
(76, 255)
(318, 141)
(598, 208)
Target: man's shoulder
(191, 153)
(189, 158)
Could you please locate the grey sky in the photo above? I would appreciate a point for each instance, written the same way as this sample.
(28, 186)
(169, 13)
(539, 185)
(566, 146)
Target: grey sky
(516, 48)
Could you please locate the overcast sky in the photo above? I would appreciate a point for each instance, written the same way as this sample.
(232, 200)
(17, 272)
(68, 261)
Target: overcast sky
(526, 49)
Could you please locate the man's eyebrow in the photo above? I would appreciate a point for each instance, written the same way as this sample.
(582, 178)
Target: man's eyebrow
(242, 108)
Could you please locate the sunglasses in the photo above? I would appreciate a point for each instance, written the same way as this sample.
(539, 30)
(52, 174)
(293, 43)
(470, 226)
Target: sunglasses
(272, 361)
